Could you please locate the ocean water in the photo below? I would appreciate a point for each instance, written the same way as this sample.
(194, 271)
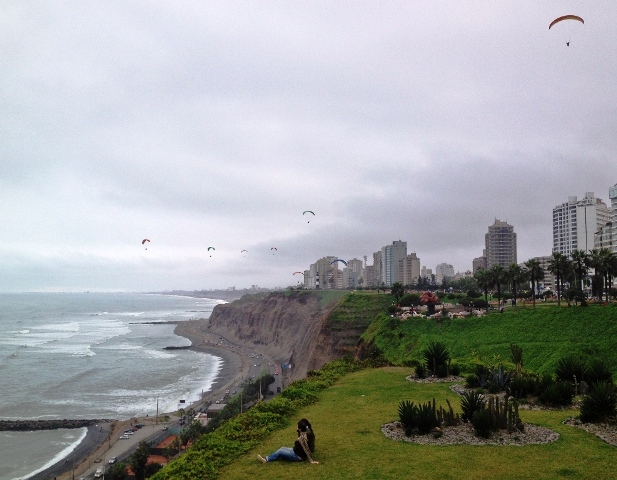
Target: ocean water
(91, 355)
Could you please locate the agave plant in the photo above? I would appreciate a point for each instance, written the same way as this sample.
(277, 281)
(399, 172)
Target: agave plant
(470, 402)
(436, 354)
(407, 413)
(600, 403)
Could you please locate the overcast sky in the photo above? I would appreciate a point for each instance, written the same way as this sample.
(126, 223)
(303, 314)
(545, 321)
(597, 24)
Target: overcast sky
(205, 123)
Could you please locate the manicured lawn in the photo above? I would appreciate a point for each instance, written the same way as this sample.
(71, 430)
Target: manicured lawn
(347, 420)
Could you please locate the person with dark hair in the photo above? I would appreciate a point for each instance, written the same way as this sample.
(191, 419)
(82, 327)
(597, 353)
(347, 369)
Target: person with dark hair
(302, 450)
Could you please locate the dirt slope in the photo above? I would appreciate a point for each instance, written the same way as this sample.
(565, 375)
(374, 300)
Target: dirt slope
(289, 327)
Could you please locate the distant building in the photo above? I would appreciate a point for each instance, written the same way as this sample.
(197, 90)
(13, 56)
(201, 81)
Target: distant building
(500, 244)
(548, 282)
(576, 223)
(479, 263)
(391, 255)
(443, 270)
(410, 269)
(352, 274)
(606, 236)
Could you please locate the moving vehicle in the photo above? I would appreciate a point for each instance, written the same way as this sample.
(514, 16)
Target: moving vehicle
(98, 473)
(113, 459)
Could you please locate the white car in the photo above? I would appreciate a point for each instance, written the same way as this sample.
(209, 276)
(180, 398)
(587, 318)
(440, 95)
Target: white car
(113, 459)
(98, 473)
(124, 437)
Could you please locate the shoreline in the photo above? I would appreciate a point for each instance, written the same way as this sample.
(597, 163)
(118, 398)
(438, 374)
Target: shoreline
(235, 368)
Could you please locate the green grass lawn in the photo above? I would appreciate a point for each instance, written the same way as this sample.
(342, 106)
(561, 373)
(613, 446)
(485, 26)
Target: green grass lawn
(347, 420)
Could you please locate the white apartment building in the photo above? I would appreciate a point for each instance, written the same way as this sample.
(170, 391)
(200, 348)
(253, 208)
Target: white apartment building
(391, 255)
(576, 223)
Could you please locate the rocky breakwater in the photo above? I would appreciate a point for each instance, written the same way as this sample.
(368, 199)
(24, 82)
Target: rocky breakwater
(30, 425)
(289, 327)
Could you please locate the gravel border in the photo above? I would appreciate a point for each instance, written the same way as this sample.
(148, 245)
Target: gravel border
(464, 434)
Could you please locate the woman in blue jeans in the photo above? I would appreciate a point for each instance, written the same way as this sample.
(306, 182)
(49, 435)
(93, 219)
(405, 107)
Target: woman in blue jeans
(303, 447)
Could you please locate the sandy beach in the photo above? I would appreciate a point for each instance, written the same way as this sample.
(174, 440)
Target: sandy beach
(100, 441)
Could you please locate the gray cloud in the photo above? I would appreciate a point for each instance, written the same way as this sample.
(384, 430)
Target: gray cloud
(218, 124)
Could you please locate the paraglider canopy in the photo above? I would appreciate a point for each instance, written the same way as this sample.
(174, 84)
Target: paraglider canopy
(308, 211)
(301, 273)
(144, 241)
(566, 17)
(338, 260)
(211, 248)
(273, 248)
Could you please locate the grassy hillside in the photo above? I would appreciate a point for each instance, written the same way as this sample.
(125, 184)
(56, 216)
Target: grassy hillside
(358, 310)
(546, 334)
(347, 418)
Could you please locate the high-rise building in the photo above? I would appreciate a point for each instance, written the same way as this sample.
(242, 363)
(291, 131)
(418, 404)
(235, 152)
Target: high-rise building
(390, 262)
(443, 270)
(576, 222)
(500, 243)
(479, 262)
(410, 269)
(606, 236)
(353, 273)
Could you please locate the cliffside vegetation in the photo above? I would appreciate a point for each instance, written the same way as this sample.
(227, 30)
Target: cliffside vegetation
(546, 334)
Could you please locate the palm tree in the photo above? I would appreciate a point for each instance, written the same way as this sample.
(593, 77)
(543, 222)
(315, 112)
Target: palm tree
(515, 275)
(558, 266)
(605, 263)
(484, 282)
(496, 274)
(580, 262)
(536, 272)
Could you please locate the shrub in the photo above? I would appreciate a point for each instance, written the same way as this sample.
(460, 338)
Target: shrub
(442, 371)
(455, 369)
(471, 381)
(470, 402)
(598, 371)
(420, 371)
(558, 393)
(426, 419)
(542, 383)
(600, 403)
(421, 417)
(483, 422)
(570, 367)
(521, 386)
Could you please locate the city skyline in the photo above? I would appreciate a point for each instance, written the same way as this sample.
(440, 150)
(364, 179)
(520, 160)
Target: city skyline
(211, 128)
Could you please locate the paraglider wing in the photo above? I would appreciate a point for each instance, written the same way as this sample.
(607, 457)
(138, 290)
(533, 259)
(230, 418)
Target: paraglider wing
(145, 240)
(566, 17)
(308, 211)
(242, 251)
(301, 273)
(338, 260)
(211, 248)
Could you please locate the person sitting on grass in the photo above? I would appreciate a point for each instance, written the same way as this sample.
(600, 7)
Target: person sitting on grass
(303, 447)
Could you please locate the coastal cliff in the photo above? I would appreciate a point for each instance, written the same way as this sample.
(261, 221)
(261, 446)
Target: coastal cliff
(292, 327)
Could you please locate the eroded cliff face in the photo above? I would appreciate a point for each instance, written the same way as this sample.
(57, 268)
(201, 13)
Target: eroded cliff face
(287, 327)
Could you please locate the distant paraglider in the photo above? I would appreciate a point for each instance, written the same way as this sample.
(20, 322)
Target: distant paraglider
(144, 241)
(338, 260)
(564, 18)
(308, 211)
(274, 250)
(301, 273)
(211, 248)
